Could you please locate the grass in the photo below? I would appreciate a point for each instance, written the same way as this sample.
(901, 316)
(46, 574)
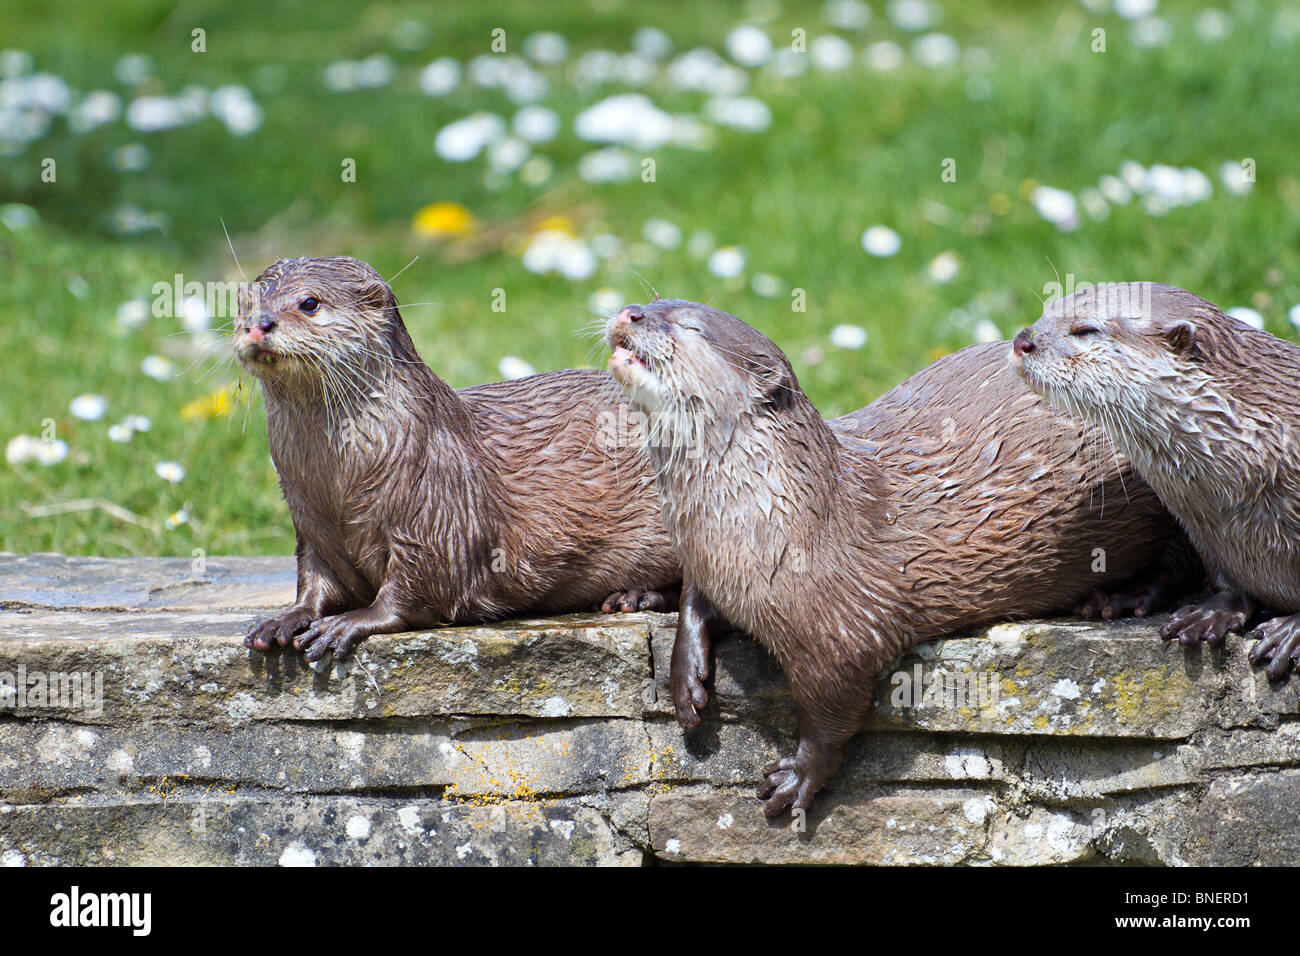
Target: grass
(845, 151)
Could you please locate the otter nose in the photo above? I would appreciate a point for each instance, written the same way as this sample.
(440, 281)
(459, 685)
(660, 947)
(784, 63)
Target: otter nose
(261, 325)
(1023, 343)
(631, 314)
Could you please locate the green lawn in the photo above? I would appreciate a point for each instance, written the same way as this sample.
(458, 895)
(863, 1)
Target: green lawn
(1027, 103)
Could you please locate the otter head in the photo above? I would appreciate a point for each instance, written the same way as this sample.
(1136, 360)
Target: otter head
(301, 318)
(672, 355)
(1112, 353)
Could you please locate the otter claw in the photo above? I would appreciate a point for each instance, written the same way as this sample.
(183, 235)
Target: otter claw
(328, 634)
(787, 786)
(689, 700)
(1209, 623)
(690, 669)
(1131, 602)
(279, 629)
(1278, 645)
(637, 599)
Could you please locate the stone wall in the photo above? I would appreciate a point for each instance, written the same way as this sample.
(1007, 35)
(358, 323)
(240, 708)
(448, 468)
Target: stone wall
(551, 741)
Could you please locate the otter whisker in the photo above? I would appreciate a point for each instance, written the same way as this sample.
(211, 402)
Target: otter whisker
(232, 250)
(645, 283)
(390, 279)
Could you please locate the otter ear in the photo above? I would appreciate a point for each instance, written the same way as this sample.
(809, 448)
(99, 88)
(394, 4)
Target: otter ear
(1181, 337)
(377, 294)
(779, 388)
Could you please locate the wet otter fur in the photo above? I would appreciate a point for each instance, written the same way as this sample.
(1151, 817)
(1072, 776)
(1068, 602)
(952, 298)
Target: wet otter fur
(416, 505)
(958, 499)
(1208, 409)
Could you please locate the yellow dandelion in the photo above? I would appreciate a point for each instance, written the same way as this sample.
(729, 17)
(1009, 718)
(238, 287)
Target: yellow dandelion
(216, 405)
(442, 220)
(557, 223)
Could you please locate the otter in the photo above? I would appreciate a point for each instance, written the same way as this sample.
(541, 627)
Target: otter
(416, 505)
(1208, 409)
(958, 499)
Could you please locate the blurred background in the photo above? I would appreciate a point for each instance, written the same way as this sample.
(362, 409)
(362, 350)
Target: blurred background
(872, 184)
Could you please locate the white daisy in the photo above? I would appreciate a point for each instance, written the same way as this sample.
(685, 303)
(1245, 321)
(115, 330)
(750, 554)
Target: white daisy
(652, 43)
(20, 448)
(464, 139)
(848, 336)
(846, 14)
(830, 53)
(1056, 206)
(606, 301)
(944, 267)
(739, 112)
(629, 118)
(169, 471)
(609, 165)
(661, 233)
(936, 50)
(911, 15)
(727, 262)
(51, 452)
(767, 285)
(749, 46)
(547, 48)
(440, 77)
(536, 124)
(512, 367)
(89, 407)
(1234, 178)
(157, 367)
(1136, 9)
(884, 56)
(881, 241)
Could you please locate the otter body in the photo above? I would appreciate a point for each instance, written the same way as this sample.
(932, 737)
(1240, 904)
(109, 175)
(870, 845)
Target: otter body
(415, 504)
(1208, 409)
(956, 500)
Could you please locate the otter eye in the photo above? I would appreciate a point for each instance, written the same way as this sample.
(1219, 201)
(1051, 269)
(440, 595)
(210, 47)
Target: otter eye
(1085, 330)
(309, 306)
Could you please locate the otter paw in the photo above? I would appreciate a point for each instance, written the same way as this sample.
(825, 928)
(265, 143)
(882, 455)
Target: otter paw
(1209, 622)
(1131, 602)
(279, 629)
(689, 693)
(1279, 645)
(638, 599)
(788, 785)
(337, 634)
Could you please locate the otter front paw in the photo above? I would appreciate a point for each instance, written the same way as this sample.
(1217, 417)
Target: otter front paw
(639, 599)
(1210, 622)
(790, 782)
(1131, 602)
(689, 672)
(339, 634)
(279, 629)
(1279, 645)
